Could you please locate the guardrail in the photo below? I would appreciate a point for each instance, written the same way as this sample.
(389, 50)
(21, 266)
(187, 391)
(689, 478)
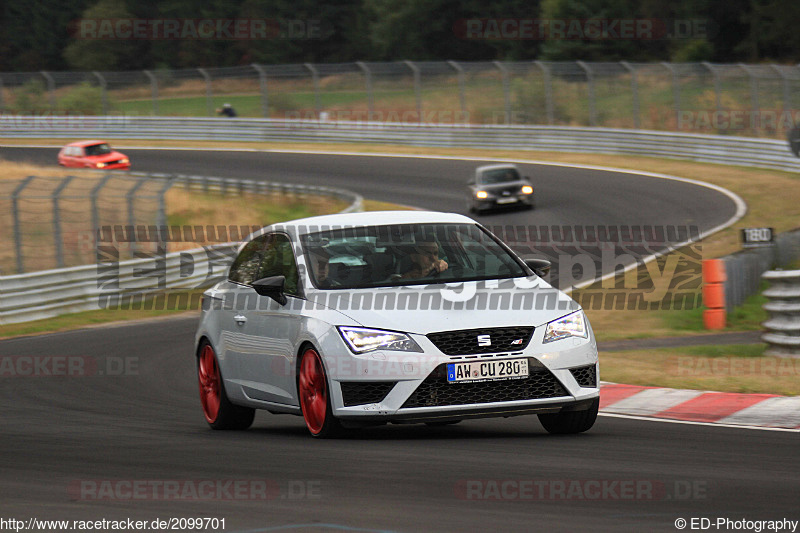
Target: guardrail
(744, 269)
(783, 326)
(728, 150)
(123, 284)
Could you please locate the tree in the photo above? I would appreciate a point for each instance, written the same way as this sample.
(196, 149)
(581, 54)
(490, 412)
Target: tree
(90, 50)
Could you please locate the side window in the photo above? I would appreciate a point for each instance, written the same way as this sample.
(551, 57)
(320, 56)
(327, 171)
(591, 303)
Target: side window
(246, 266)
(279, 261)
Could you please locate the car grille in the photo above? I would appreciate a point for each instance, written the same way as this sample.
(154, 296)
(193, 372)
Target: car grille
(364, 392)
(508, 191)
(586, 376)
(436, 391)
(465, 341)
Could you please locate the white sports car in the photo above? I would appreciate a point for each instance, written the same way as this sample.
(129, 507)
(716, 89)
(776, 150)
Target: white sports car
(403, 317)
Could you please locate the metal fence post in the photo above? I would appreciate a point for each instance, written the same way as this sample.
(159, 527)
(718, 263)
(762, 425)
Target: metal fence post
(506, 90)
(57, 236)
(315, 81)
(154, 89)
(130, 197)
(786, 92)
(161, 217)
(51, 89)
(590, 89)
(461, 82)
(417, 87)
(17, 226)
(676, 92)
(104, 89)
(754, 112)
(548, 91)
(209, 94)
(93, 194)
(368, 85)
(262, 79)
(717, 84)
(635, 93)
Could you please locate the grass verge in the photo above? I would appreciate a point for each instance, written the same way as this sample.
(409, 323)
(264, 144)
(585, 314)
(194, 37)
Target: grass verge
(734, 368)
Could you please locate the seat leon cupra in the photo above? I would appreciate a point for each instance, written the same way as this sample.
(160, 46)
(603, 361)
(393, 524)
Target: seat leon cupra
(363, 319)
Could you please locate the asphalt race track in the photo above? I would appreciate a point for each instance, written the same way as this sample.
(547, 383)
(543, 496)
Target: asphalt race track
(124, 436)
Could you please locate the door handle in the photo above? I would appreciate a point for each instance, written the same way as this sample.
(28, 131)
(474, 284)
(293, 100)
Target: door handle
(240, 319)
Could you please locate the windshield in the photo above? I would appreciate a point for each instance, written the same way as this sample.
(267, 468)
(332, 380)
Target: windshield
(98, 149)
(500, 175)
(407, 254)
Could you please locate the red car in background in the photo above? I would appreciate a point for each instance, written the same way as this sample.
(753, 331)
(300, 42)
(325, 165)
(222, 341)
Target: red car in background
(92, 154)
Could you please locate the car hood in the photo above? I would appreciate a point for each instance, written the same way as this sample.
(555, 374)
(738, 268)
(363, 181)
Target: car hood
(504, 185)
(470, 305)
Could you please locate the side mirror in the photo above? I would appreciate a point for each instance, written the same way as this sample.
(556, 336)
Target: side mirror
(272, 287)
(540, 267)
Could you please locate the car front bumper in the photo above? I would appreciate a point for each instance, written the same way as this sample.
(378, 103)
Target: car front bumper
(408, 388)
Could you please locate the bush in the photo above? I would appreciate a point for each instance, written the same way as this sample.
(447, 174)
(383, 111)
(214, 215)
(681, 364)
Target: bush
(30, 98)
(83, 99)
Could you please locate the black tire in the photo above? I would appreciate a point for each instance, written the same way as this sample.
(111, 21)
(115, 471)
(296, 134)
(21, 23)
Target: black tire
(570, 421)
(219, 412)
(313, 392)
(794, 140)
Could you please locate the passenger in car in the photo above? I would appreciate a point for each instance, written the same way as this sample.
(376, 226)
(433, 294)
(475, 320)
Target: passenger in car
(320, 265)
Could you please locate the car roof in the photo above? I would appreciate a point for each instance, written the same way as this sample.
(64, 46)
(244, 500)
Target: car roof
(367, 218)
(86, 143)
(501, 166)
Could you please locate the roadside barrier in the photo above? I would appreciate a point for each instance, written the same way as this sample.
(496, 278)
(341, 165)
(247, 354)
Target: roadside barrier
(783, 326)
(714, 294)
(722, 149)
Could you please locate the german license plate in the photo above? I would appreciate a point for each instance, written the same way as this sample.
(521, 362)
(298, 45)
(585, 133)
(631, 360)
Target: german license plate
(487, 370)
(509, 200)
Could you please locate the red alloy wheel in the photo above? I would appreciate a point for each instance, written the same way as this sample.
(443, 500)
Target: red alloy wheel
(209, 379)
(313, 391)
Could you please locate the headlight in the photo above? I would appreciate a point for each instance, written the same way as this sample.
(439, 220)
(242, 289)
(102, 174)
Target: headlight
(527, 189)
(362, 340)
(572, 325)
(100, 165)
(124, 161)
(482, 195)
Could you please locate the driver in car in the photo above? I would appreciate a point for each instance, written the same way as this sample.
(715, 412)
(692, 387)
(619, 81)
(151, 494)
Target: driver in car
(425, 259)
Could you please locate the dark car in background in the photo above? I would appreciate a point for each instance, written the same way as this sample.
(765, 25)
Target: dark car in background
(495, 186)
(92, 154)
